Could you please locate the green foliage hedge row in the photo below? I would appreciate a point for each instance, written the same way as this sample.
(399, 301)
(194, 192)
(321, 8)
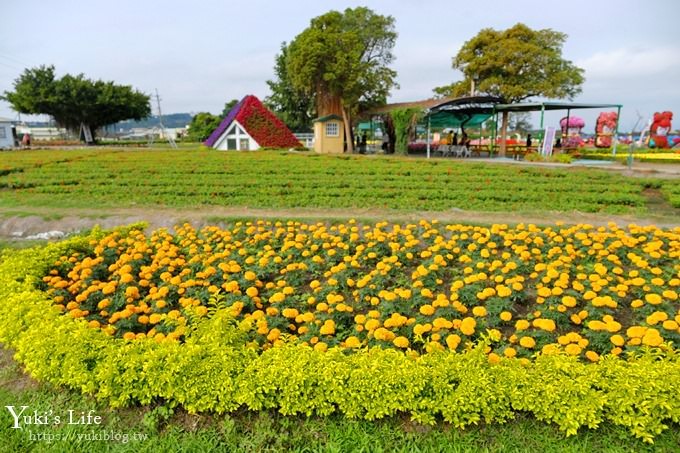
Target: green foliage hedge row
(215, 371)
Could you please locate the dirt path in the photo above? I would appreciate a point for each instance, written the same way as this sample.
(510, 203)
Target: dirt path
(21, 223)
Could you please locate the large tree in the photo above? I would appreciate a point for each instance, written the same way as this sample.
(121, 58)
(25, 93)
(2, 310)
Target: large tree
(75, 100)
(342, 60)
(516, 64)
(295, 107)
(202, 125)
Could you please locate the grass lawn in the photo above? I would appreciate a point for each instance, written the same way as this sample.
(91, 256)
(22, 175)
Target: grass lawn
(107, 178)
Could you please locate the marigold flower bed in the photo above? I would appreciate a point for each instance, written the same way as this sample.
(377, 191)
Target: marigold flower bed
(452, 323)
(421, 287)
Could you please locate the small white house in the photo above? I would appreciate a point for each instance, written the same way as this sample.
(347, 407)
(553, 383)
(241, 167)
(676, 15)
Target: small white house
(236, 138)
(250, 125)
(6, 136)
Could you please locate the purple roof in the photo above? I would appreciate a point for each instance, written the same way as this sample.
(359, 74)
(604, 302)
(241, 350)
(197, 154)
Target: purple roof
(224, 124)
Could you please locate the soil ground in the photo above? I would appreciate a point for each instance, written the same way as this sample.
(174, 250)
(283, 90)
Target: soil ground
(19, 224)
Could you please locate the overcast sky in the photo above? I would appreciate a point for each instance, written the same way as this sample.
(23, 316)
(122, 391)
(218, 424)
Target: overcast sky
(201, 54)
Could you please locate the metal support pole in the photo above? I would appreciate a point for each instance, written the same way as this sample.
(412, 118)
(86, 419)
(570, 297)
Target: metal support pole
(492, 145)
(428, 136)
(630, 155)
(616, 134)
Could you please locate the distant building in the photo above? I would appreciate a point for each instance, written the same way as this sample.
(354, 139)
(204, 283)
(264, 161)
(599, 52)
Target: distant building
(250, 125)
(6, 134)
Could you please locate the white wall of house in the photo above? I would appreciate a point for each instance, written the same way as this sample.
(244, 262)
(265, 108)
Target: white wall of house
(6, 138)
(235, 138)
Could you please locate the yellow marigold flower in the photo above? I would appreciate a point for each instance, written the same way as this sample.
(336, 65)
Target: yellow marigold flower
(617, 340)
(636, 331)
(479, 311)
(546, 324)
(572, 349)
(510, 352)
(252, 291)
(442, 323)
(155, 318)
(174, 314)
(494, 358)
(657, 317)
(670, 294)
(652, 338)
(273, 335)
(328, 327)
(467, 326)
(427, 310)
(372, 324)
(401, 342)
(592, 356)
(653, 299)
(544, 292)
(360, 319)
(569, 301)
(670, 325)
(613, 326)
(527, 342)
(352, 342)
(290, 312)
(94, 324)
(383, 334)
(321, 346)
(597, 325)
(129, 336)
(550, 349)
(506, 316)
(452, 341)
(522, 324)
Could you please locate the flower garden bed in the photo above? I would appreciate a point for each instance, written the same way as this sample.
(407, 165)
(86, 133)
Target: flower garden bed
(576, 325)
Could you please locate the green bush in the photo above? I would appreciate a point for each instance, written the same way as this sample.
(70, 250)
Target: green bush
(216, 370)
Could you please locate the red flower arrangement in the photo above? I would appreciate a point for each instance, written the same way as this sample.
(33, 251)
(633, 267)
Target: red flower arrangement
(263, 126)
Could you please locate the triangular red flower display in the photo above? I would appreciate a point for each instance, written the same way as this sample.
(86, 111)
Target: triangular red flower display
(259, 122)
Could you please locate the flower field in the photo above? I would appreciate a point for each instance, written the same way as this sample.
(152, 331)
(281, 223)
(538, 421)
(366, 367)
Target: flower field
(418, 288)
(444, 322)
(190, 178)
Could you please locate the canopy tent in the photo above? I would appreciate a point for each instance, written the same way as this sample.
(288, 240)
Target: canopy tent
(568, 106)
(469, 111)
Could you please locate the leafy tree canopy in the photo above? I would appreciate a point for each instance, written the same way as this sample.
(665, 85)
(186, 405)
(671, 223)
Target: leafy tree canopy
(343, 60)
(202, 125)
(228, 106)
(295, 107)
(516, 64)
(75, 100)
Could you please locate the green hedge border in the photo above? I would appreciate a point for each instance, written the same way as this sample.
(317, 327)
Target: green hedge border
(214, 371)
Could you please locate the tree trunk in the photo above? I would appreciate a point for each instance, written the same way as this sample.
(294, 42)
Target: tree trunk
(327, 103)
(346, 119)
(504, 134)
(389, 130)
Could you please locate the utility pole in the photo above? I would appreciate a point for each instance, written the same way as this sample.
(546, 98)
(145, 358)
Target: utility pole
(160, 122)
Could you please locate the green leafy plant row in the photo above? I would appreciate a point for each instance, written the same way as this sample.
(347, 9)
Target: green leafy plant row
(214, 370)
(185, 178)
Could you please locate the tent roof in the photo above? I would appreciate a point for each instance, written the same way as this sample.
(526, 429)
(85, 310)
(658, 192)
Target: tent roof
(538, 106)
(466, 111)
